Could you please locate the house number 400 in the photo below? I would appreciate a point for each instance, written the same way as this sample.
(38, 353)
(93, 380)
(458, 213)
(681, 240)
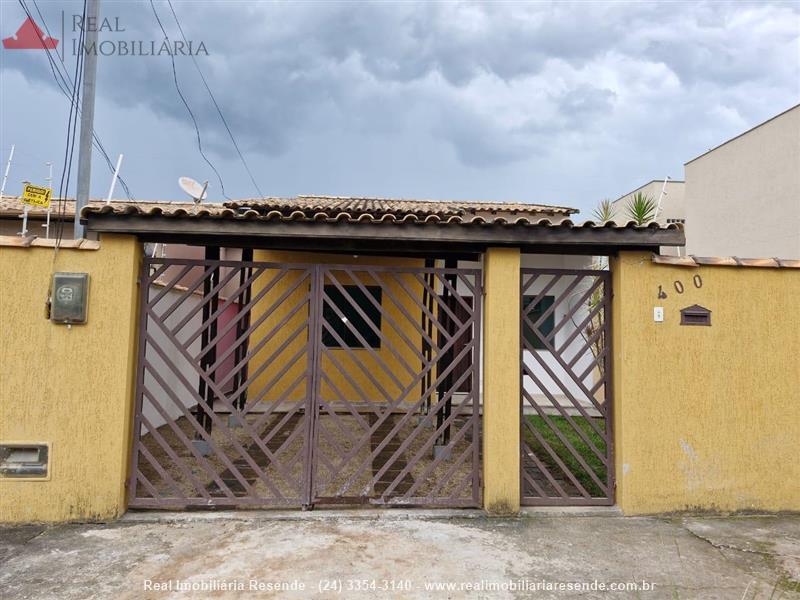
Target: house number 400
(678, 285)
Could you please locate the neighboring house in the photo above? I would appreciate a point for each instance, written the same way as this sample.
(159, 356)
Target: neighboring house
(741, 198)
(11, 210)
(670, 203)
(672, 207)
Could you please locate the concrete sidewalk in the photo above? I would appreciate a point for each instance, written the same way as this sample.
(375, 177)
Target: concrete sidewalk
(398, 554)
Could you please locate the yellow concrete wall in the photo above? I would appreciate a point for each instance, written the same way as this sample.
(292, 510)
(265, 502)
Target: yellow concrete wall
(402, 289)
(501, 381)
(706, 417)
(71, 387)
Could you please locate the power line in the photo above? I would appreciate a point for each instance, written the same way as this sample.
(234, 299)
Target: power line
(70, 141)
(72, 126)
(186, 104)
(66, 82)
(214, 100)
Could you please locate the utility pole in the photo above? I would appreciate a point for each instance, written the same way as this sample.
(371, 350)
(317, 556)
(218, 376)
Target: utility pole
(90, 26)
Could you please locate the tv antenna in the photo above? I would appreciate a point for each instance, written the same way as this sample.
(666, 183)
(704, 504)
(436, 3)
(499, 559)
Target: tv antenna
(196, 190)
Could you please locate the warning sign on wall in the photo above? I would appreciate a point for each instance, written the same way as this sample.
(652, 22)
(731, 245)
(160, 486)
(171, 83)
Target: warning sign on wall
(35, 195)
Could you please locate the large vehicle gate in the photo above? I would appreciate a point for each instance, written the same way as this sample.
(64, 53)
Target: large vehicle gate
(566, 417)
(265, 384)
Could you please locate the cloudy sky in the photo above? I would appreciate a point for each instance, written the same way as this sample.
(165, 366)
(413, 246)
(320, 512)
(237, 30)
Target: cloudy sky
(559, 103)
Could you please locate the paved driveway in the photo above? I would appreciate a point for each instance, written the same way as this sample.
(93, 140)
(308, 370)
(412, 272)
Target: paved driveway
(392, 554)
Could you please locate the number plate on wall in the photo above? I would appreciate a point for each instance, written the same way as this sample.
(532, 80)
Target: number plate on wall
(70, 294)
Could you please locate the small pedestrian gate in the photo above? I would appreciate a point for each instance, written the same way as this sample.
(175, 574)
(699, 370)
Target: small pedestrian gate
(566, 438)
(264, 384)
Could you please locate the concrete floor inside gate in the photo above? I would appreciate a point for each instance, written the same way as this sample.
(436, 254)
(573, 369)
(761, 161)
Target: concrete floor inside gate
(417, 551)
(355, 457)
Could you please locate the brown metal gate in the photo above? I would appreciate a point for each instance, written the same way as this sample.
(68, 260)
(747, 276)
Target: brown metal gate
(265, 384)
(566, 418)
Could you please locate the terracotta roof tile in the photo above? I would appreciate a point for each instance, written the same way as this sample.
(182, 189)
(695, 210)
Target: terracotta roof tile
(334, 209)
(11, 205)
(365, 210)
(381, 206)
(725, 261)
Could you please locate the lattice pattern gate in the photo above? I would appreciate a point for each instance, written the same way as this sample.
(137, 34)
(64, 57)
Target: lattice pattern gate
(566, 438)
(264, 384)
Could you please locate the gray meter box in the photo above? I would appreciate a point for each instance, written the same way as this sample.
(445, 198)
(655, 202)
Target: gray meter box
(69, 299)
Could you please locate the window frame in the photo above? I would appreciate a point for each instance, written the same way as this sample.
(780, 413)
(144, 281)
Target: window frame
(344, 302)
(528, 334)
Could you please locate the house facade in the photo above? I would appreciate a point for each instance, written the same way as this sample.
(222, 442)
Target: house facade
(669, 196)
(672, 208)
(741, 198)
(317, 351)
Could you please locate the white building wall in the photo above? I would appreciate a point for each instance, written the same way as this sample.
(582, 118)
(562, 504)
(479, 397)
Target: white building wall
(743, 197)
(172, 381)
(555, 380)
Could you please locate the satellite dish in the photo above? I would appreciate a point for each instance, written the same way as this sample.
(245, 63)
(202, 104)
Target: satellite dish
(197, 191)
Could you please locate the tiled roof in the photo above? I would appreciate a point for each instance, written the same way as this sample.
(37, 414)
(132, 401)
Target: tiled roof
(726, 261)
(381, 206)
(361, 210)
(330, 204)
(341, 209)
(335, 209)
(11, 205)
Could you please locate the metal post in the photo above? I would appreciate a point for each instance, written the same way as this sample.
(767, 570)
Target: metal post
(446, 360)
(114, 180)
(208, 347)
(24, 231)
(8, 168)
(49, 208)
(90, 26)
(661, 197)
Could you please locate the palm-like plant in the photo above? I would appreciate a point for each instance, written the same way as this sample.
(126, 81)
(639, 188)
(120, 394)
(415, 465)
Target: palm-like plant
(641, 208)
(604, 211)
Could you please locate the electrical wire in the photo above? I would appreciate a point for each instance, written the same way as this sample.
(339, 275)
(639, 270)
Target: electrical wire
(65, 85)
(216, 105)
(186, 104)
(72, 128)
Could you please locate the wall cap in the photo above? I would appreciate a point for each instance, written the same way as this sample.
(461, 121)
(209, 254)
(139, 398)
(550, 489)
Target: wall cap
(725, 261)
(32, 241)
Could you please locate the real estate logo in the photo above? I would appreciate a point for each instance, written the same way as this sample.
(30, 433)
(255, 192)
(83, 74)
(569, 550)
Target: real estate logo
(30, 37)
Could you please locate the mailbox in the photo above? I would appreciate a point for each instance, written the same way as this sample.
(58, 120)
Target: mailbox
(69, 298)
(696, 315)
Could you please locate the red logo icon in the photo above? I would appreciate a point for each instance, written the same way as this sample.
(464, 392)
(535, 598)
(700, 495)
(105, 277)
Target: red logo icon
(29, 37)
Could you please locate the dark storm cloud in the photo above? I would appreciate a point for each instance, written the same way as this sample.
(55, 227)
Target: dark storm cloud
(500, 84)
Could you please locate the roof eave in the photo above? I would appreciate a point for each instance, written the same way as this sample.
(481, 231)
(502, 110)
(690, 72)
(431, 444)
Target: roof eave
(322, 233)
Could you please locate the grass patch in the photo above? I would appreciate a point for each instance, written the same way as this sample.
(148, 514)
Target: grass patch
(566, 456)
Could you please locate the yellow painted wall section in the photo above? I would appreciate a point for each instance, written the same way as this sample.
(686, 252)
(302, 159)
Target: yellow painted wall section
(70, 387)
(359, 378)
(706, 418)
(501, 381)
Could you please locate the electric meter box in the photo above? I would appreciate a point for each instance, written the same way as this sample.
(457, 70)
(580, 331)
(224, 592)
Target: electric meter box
(69, 299)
